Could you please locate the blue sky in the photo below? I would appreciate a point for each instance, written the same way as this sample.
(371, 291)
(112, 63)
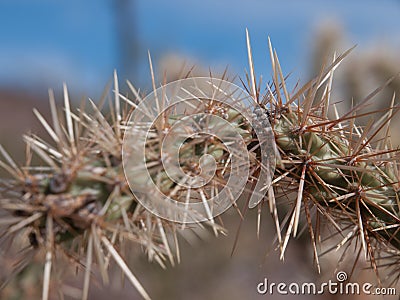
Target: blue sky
(44, 43)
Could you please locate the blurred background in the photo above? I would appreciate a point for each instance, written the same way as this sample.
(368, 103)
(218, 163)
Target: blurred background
(44, 43)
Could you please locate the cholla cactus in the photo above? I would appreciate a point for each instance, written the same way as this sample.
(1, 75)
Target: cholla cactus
(332, 171)
(80, 204)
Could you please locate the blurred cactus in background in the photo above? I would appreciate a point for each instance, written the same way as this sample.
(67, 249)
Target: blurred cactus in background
(371, 67)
